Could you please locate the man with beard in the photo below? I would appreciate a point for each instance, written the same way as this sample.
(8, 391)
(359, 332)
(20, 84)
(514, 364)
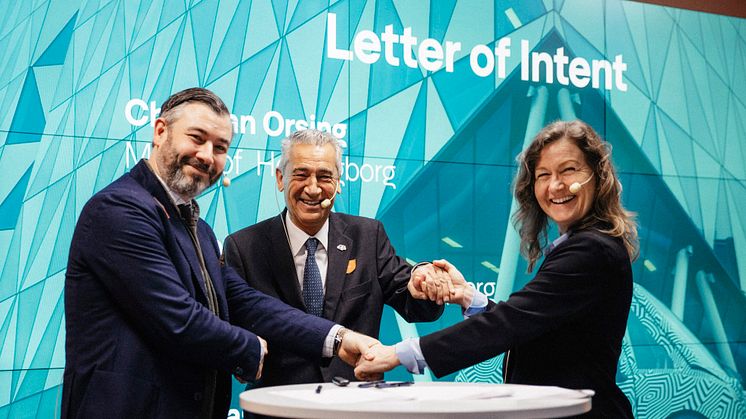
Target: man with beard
(155, 324)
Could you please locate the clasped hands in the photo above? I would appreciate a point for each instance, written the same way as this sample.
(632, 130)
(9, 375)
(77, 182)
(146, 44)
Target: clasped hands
(440, 282)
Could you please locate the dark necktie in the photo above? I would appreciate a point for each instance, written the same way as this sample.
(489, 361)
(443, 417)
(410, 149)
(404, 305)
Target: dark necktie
(313, 291)
(190, 214)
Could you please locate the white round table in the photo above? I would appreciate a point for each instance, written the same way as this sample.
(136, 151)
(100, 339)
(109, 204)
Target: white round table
(420, 400)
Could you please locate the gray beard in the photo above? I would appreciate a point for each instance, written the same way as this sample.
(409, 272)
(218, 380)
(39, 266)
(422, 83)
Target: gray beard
(178, 181)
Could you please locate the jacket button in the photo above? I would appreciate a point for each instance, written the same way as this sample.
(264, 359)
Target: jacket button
(238, 371)
(197, 396)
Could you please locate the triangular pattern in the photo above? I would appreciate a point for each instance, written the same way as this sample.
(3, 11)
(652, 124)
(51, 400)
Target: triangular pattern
(57, 50)
(229, 55)
(202, 21)
(348, 17)
(411, 153)
(28, 121)
(387, 80)
(10, 208)
(306, 10)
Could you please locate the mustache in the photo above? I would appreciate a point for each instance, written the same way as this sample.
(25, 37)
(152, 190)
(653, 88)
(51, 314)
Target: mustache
(202, 167)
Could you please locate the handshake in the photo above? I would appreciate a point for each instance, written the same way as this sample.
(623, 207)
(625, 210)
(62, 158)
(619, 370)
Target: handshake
(440, 282)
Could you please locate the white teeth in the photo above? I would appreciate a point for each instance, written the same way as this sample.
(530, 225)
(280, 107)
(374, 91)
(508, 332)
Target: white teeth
(562, 200)
(310, 202)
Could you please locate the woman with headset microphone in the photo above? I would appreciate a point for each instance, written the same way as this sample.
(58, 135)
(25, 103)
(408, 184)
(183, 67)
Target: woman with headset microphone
(565, 326)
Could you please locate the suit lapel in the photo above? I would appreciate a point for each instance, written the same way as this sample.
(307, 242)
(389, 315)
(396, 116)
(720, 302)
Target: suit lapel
(283, 264)
(213, 266)
(145, 177)
(190, 252)
(340, 247)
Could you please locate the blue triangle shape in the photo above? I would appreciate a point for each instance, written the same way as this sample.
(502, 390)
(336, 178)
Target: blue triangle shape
(28, 121)
(11, 206)
(412, 149)
(28, 303)
(35, 379)
(440, 17)
(356, 134)
(348, 18)
(650, 140)
(287, 99)
(305, 10)
(280, 7)
(57, 50)
(203, 17)
(241, 212)
(386, 80)
(251, 76)
(229, 54)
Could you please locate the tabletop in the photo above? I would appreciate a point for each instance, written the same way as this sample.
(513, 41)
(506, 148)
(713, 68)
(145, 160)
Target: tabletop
(423, 400)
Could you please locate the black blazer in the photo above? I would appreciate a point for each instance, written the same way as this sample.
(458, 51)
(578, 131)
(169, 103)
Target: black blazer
(564, 328)
(363, 274)
(141, 342)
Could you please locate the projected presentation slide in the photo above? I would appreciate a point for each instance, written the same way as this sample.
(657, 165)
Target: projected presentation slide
(432, 101)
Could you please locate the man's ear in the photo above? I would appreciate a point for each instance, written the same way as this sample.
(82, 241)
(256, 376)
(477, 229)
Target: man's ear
(160, 132)
(278, 177)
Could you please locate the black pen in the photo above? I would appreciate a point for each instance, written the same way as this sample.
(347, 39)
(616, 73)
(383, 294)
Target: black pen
(395, 384)
(370, 383)
(318, 389)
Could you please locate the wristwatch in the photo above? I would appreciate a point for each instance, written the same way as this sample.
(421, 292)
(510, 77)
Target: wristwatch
(338, 340)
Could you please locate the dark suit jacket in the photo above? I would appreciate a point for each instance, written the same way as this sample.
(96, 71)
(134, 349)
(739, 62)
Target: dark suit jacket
(141, 342)
(355, 299)
(564, 328)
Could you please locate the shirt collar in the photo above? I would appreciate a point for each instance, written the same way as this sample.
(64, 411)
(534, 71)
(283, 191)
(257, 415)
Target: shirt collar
(559, 240)
(298, 237)
(175, 198)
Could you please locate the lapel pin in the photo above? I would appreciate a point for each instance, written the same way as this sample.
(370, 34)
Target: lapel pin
(341, 247)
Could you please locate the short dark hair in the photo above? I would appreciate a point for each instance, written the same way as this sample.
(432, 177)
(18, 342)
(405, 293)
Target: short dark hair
(192, 95)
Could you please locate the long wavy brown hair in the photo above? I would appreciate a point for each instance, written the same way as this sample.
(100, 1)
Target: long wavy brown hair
(607, 214)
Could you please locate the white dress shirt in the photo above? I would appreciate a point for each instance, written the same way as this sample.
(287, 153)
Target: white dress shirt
(298, 238)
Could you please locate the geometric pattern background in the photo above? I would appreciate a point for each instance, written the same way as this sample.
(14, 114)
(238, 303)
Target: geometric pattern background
(678, 132)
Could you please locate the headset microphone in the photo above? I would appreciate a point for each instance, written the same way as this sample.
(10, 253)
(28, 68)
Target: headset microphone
(576, 186)
(226, 181)
(326, 203)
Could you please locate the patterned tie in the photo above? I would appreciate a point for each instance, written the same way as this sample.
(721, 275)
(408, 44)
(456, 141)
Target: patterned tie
(313, 291)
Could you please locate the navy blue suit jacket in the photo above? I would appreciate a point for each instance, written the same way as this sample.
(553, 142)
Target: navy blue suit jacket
(141, 341)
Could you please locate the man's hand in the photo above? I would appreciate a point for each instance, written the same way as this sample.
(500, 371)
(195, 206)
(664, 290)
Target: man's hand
(377, 360)
(430, 282)
(354, 345)
(461, 292)
(265, 351)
